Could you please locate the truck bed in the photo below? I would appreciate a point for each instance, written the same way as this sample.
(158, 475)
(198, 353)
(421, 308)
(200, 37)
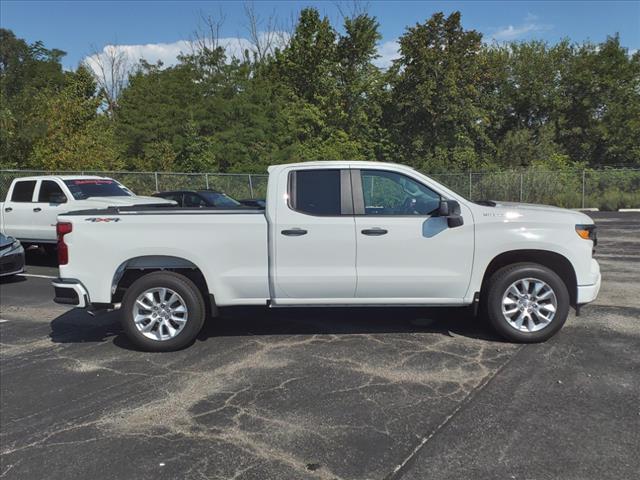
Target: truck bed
(229, 246)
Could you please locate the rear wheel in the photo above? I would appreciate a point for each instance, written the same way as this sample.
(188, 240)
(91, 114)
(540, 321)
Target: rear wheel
(526, 302)
(162, 311)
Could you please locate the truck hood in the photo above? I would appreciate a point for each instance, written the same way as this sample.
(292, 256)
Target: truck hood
(126, 201)
(502, 208)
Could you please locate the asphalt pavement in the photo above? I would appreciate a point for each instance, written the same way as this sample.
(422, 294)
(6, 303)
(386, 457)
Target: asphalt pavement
(329, 394)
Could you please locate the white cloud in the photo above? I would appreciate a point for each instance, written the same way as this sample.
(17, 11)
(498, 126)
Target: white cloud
(168, 53)
(511, 32)
(388, 52)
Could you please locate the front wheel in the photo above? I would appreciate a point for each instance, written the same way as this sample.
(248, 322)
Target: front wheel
(162, 311)
(526, 302)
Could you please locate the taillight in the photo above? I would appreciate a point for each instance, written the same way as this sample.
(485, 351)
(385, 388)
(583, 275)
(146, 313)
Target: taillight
(62, 228)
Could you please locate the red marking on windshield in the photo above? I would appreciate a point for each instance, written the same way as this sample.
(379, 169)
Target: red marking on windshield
(93, 182)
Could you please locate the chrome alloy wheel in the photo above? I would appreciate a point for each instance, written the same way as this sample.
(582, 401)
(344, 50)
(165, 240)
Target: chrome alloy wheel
(160, 313)
(529, 305)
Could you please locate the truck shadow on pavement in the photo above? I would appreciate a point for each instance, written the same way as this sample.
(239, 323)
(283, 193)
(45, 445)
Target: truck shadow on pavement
(76, 326)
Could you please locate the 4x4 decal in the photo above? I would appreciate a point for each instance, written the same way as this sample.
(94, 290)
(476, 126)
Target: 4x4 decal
(101, 219)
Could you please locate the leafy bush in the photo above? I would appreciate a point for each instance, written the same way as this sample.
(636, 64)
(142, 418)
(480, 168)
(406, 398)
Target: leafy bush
(614, 199)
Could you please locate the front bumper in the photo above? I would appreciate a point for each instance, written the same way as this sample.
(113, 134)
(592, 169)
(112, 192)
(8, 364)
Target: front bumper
(12, 262)
(70, 292)
(588, 293)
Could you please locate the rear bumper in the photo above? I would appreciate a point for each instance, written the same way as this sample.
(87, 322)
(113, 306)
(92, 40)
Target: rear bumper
(70, 292)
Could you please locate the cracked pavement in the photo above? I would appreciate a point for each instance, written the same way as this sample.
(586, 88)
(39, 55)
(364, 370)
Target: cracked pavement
(325, 393)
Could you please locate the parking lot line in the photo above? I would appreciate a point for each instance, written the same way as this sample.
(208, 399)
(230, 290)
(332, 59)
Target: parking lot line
(36, 276)
(3, 321)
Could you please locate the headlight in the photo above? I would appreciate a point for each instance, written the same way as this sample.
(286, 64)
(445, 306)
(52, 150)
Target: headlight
(15, 245)
(588, 232)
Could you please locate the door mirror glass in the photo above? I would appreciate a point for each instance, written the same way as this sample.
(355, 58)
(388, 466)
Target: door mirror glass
(443, 211)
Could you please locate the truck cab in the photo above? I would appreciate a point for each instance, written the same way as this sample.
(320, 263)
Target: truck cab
(366, 235)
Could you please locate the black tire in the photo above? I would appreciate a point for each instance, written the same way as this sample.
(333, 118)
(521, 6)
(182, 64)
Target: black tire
(498, 284)
(182, 286)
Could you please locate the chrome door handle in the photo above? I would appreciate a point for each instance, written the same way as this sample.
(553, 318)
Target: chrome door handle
(294, 232)
(374, 232)
(37, 209)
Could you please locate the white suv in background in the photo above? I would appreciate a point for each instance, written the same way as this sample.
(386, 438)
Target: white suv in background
(33, 204)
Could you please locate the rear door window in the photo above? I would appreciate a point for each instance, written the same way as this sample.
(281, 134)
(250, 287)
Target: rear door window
(316, 192)
(23, 191)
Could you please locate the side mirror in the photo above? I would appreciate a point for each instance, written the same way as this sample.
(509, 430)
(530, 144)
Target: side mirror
(57, 198)
(443, 210)
(451, 210)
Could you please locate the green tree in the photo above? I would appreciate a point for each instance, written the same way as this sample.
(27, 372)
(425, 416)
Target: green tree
(28, 73)
(76, 137)
(155, 107)
(601, 115)
(360, 85)
(307, 63)
(435, 99)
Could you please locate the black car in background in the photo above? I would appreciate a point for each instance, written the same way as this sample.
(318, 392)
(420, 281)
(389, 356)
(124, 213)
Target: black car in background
(254, 202)
(207, 198)
(11, 256)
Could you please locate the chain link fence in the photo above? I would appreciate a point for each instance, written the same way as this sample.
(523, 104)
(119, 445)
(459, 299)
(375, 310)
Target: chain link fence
(609, 189)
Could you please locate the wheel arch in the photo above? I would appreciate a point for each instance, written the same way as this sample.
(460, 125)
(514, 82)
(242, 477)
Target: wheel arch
(134, 268)
(556, 262)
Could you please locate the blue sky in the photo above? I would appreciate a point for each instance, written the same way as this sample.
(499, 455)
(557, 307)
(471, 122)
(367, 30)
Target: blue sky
(158, 30)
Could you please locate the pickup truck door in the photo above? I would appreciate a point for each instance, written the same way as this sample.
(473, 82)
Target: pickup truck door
(405, 253)
(50, 201)
(314, 237)
(18, 209)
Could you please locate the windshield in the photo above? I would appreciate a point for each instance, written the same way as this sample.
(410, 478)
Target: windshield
(97, 187)
(219, 199)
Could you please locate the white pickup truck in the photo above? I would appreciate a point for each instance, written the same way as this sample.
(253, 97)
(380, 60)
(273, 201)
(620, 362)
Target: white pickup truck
(33, 204)
(333, 233)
